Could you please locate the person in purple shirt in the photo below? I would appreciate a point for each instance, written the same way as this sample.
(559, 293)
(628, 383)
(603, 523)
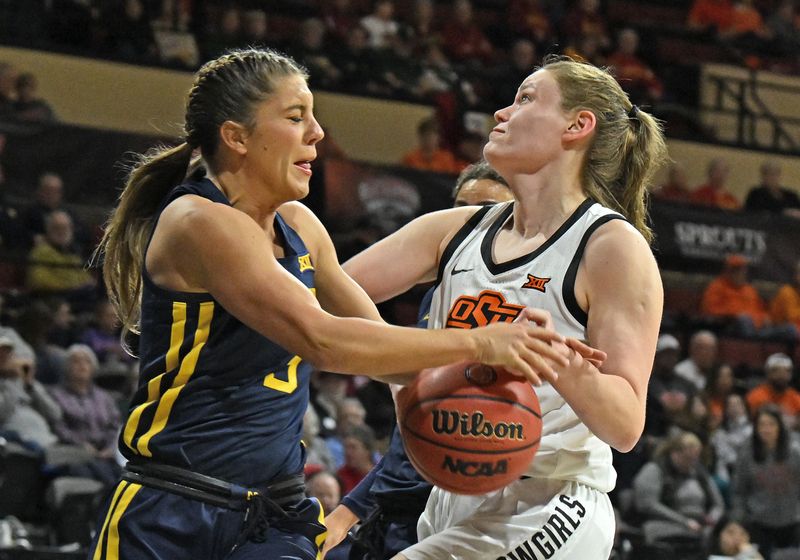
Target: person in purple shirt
(91, 418)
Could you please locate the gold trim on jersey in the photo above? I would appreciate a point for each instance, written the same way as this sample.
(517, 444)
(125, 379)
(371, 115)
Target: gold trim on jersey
(187, 368)
(109, 534)
(154, 385)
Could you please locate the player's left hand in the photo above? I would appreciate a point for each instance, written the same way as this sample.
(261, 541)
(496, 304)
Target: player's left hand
(593, 355)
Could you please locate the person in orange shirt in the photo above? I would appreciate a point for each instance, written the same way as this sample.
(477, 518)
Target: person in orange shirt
(677, 185)
(710, 14)
(776, 389)
(785, 306)
(714, 192)
(732, 298)
(634, 75)
(429, 155)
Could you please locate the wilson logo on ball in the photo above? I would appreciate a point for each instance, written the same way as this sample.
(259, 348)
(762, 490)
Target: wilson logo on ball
(475, 425)
(475, 468)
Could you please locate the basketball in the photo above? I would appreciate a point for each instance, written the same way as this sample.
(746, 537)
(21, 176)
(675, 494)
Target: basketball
(469, 428)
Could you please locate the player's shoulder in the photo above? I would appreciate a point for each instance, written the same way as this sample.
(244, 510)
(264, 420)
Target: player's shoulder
(189, 214)
(616, 240)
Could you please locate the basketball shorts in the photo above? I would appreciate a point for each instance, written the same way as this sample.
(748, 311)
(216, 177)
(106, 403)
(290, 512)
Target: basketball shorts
(141, 523)
(529, 519)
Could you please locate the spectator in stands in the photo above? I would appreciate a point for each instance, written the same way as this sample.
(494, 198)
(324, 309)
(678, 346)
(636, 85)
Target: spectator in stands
(103, 336)
(633, 74)
(49, 196)
(340, 18)
(381, 25)
(91, 418)
(227, 35)
(463, 38)
(326, 393)
(132, 35)
(35, 323)
(357, 63)
(770, 196)
(676, 495)
(26, 409)
(668, 395)
(255, 28)
(766, 494)
(29, 106)
(785, 306)
(730, 540)
(714, 16)
(714, 192)
(21, 348)
(699, 364)
(350, 413)
(324, 486)
(585, 20)
(62, 331)
(677, 185)
(506, 76)
(317, 453)
(784, 27)
(310, 50)
(746, 24)
(529, 19)
(359, 456)
(777, 389)
(423, 23)
(730, 298)
(429, 155)
(55, 267)
(721, 384)
(398, 69)
(729, 438)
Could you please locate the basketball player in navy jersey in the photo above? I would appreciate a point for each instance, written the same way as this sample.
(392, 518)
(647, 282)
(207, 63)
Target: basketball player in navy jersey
(578, 157)
(236, 290)
(392, 496)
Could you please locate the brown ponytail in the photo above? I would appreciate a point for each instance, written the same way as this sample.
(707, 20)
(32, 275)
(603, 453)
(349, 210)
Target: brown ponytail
(628, 146)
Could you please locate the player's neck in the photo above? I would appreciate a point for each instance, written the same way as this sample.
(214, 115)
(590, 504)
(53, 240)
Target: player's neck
(541, 209)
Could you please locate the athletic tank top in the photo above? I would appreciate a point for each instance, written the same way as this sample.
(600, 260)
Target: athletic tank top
(215, 396)
(472, 290)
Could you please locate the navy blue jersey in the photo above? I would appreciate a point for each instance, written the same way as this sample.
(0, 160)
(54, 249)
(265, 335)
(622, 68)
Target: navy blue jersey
(393, 483)
(215, 396)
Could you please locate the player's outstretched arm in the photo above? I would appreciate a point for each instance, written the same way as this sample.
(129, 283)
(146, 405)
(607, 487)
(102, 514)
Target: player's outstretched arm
(218, 249)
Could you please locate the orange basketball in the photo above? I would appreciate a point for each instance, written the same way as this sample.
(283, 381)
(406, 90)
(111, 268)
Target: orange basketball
(469, 428)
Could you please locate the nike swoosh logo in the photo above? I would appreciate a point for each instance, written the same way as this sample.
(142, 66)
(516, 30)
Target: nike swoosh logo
(459, 271)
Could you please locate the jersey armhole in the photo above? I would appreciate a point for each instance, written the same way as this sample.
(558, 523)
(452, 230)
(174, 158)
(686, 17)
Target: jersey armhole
(459, 238)
(568, 287)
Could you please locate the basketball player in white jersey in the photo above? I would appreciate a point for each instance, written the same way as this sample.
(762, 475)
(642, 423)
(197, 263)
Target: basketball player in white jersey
(579, 158)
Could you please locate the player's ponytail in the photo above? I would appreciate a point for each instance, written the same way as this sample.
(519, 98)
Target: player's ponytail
(628, 145)
(128, 230)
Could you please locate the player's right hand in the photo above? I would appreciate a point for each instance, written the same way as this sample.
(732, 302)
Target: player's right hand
(338, 522)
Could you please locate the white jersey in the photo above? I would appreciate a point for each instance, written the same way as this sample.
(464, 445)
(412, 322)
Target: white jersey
(472, 290)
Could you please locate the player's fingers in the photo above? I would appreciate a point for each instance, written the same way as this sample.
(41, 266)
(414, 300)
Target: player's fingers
(548, 351)
(585, 350)
(543, 333)
(540, 364)
(522, 369)
(538, 316)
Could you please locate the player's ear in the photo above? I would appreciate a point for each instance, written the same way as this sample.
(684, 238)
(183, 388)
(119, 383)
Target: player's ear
(580, 126)
(234, 136)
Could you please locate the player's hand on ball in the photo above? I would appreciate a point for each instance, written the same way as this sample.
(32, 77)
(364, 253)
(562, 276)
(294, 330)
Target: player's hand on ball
(523, 348)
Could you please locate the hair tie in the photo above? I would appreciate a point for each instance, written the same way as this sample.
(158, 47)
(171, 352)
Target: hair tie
(634, 112)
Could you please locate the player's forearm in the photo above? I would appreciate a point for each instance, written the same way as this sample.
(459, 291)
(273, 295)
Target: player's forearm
(606, 403)
(359, 346)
